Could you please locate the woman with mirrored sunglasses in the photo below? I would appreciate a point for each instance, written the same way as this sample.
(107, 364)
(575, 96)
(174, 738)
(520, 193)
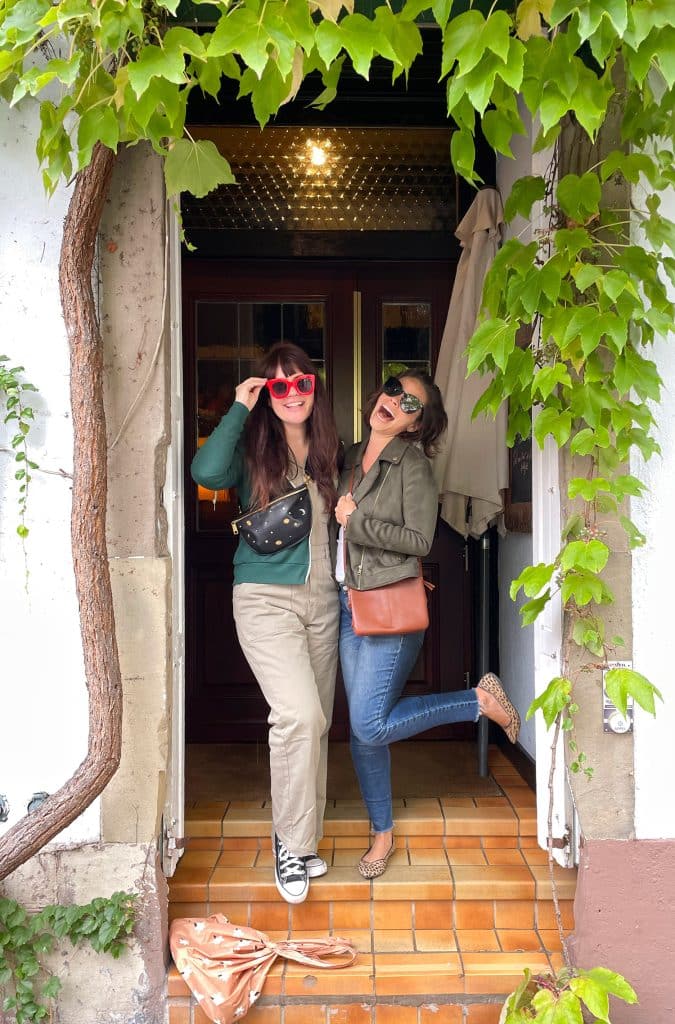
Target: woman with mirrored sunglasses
(387, 517)
(278, 434)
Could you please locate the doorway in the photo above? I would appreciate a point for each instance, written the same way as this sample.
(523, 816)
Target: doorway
(359, 322)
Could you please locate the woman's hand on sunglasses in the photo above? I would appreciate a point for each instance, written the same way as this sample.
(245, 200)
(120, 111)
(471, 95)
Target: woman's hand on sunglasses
(249, 390)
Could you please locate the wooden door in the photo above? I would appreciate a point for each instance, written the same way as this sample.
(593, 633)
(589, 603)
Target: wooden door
(356, 322)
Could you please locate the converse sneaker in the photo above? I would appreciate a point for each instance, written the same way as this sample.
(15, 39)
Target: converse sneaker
(316, 866)
(290, 874)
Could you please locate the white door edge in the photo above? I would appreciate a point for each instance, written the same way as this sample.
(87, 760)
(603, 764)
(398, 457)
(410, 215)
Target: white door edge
(174, 811)
(548, 631)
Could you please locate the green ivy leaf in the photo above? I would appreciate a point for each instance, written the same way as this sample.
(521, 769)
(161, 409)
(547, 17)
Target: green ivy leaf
(52, 988)
(463, 42)
(586, 275)
(97, 125)
(532, 579)
(330, 80)
(495, 338)
(400, 41)
(498, 129)
(612, 982)
(463, 154)
(269, 92)
(554, 422)
(552, 701)
(21, 23)
(579, 196)
(525, 193)
(572, 241)
(328, 41)
(532, 609)
(583, 443)
(589, 633)
(240, 31)
(591, 555)
(625, 485)
(583, 587)
(580, 487)
(622, 683)
(155, 62)
(360, 40)
(195, 167)
(634, 371)
(636, 538)
(547, 379)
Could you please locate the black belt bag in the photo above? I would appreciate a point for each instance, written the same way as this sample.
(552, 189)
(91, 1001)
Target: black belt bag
(282, 523)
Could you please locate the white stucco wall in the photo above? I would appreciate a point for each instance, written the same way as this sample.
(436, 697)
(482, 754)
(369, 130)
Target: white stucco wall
(43, 724)
(653, 602)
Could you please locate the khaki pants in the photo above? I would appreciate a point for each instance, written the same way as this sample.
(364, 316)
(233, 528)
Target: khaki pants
(289, 635)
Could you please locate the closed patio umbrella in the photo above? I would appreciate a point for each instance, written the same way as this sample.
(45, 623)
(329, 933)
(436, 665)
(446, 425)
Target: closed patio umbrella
(225, 965)
(472, 467)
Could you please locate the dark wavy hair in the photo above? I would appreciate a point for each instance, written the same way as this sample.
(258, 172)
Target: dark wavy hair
(431, 424)
(265, 446)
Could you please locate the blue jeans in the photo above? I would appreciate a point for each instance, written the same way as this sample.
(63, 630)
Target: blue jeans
(375, 669)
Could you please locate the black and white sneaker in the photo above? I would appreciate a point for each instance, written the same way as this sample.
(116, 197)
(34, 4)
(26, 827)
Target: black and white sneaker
(316, 866)
(290, 874)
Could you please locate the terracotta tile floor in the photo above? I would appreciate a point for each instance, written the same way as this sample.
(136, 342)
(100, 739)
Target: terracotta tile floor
(464, 906)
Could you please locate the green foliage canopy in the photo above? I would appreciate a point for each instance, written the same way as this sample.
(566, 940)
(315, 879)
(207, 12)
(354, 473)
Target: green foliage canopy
(591, 286)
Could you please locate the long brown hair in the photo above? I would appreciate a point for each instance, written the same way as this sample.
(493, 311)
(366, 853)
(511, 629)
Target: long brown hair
(432, 422)
(265, 445)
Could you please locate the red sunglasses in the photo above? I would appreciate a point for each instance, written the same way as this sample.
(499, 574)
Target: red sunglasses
(280, 387)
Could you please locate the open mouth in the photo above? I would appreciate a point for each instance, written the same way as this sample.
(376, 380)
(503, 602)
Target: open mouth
(385, 413)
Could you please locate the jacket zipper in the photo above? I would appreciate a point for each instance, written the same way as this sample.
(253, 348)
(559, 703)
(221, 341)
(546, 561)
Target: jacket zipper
(363, 546)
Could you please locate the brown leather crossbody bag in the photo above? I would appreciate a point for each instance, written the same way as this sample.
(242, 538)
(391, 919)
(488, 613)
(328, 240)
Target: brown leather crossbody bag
(395, 608)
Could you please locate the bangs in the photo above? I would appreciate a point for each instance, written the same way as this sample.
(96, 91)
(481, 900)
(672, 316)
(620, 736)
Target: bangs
(289, 357)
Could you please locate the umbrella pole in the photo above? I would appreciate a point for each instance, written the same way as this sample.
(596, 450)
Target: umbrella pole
(483, 644)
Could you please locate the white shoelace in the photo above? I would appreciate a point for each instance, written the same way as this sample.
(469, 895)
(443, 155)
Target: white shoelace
(291, 868)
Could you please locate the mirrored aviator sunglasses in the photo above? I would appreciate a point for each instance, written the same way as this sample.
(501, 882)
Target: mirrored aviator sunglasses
(409, 403)
(281, 387)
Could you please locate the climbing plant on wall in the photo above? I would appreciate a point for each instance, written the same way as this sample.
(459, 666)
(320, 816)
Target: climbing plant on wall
(15, 393)
(112, 73)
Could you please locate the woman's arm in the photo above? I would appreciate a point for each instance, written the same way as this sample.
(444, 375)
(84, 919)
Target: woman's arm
(220, 460)
(419, 507)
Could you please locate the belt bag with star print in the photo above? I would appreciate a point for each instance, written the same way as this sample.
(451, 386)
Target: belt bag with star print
(282, 523)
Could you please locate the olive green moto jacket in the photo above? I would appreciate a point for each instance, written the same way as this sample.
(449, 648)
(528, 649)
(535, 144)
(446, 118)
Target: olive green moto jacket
(395, 517)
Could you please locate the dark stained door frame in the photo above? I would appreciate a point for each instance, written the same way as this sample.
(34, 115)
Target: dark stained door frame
(223, 700)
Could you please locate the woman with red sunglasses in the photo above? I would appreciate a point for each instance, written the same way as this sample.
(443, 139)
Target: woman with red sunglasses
(278, 434)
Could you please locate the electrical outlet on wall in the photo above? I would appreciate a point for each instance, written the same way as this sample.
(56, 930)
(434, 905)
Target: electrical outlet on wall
(612, 719)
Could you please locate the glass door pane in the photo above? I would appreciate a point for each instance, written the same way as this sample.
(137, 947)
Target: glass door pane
(406, 337)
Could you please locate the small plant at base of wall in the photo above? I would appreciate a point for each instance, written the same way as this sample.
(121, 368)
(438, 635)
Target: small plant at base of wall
(27, 985)
(568, 997)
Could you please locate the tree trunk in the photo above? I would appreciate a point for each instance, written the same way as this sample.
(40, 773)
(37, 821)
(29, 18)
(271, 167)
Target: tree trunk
(88, 523)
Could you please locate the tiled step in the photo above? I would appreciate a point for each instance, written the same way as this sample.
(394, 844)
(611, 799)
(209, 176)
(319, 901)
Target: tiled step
(445, 816)
(463, 908)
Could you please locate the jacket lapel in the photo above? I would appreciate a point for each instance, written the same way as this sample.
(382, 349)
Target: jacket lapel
(392, 453)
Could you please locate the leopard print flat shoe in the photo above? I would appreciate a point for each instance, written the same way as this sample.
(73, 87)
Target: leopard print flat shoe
(491, 684)
(375, 868)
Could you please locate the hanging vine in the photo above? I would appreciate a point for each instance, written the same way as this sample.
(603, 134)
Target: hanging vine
(14, 392)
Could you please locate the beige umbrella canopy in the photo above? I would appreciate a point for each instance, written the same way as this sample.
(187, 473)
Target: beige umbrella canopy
(472, 467)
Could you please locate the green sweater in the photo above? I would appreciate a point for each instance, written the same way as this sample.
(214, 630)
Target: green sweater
(220, 463)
